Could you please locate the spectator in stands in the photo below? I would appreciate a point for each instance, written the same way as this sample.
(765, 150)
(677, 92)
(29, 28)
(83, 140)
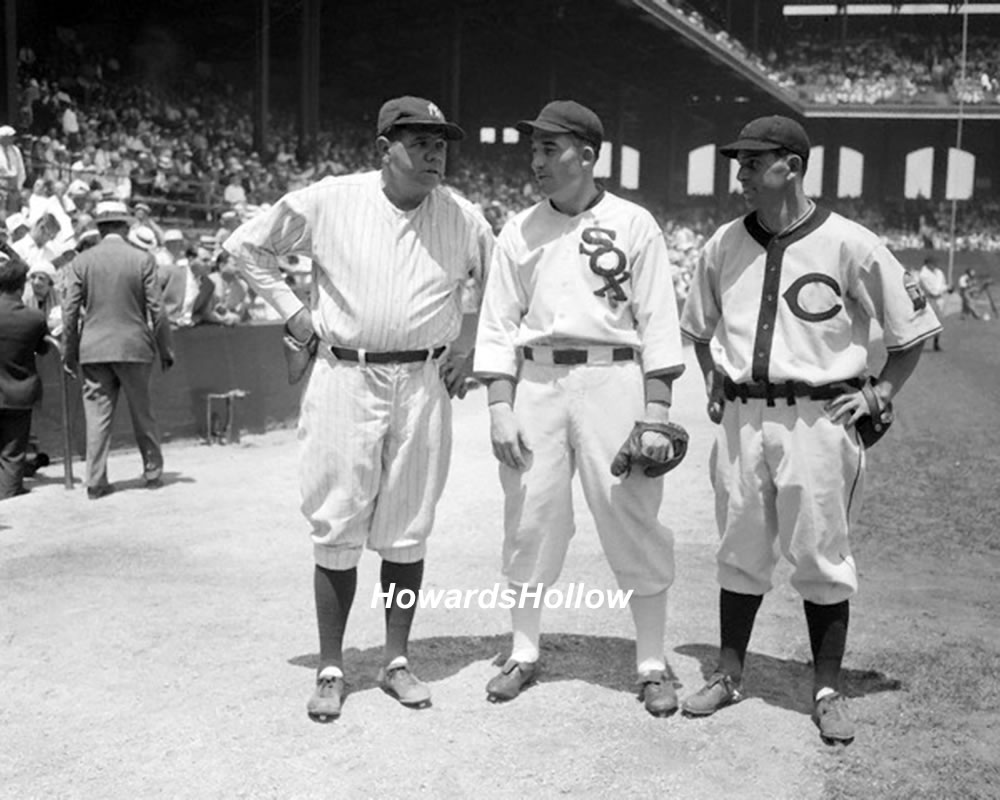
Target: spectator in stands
(22, 335)
(144, 218)
(40, 293)
(231, 289)
(31, 244)
(235, 194)
(230, 221)
(12, 173)
(208, 306)
(142, 237)
(70, 123)
(178, 283)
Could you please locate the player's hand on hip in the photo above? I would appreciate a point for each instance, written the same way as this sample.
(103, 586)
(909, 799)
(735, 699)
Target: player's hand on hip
(848, 408)
(510, 445)
(455, 370)
(300, 325)
(716, 396)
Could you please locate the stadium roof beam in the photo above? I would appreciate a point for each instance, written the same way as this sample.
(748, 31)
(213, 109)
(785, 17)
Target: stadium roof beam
(665, 14)
(887, 9)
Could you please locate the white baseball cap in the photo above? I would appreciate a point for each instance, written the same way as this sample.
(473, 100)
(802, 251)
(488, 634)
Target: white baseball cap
(5, 131)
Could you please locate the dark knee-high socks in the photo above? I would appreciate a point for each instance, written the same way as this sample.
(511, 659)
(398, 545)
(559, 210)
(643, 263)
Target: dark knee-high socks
(828, 637)
(334, 591)
(737, 613)
(398, 620)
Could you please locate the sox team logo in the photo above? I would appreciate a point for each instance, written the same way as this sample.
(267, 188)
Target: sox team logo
(607, 261)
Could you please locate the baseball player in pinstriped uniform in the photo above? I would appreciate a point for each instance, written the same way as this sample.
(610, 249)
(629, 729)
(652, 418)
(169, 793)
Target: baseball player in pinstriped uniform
(393, 255)
(579, 321)
(779, 313)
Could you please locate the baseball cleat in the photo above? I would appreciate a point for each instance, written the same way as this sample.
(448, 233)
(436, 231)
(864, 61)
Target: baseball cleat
(397, 681)
(508, 683)
(97, 492)
(324, 705)
(831, 717)
(657, 693)
(720, 691)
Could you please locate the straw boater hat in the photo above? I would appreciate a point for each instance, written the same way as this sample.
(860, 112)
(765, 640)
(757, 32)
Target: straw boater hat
(111, 211)
(142, 237)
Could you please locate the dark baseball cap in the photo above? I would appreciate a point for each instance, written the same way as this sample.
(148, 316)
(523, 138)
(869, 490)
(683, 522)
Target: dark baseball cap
(770, 133)
(415, 112)
(566, 116)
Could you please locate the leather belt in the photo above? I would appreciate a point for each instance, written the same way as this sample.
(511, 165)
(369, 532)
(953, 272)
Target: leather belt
(787, 390)
(562, 356)
(388, 357)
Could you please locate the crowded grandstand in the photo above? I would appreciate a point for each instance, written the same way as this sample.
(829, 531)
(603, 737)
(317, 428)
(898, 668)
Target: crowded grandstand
(181, 149)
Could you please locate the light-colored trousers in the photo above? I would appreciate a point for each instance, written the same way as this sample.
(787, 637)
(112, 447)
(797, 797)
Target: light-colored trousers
(575, 419)
(787, 481)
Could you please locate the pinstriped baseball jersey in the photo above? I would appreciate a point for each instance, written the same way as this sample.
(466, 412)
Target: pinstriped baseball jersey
(818, 287)
(383, 278)
(600, 277)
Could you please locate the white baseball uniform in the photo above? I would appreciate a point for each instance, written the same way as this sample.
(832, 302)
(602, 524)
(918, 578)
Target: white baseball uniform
(793, 308)
(597, 283)
(376, 438)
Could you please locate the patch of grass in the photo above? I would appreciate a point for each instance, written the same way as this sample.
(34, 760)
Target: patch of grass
(936, 738)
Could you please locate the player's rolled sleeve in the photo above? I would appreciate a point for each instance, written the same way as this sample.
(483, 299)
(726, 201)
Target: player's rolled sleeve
(504, 305)
(259, 244)
(654, 306)
(702, 309)
(880, 285)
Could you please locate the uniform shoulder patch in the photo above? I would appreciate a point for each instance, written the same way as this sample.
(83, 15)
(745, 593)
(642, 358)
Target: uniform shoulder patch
(914, 292)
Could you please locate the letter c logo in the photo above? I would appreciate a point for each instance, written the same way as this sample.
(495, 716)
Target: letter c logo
(791, 296)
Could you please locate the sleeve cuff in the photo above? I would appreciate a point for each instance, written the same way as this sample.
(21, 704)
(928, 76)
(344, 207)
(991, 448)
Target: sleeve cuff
(500, 389)
(659, 385)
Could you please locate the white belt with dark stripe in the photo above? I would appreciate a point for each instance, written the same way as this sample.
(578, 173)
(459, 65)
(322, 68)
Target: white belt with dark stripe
(578, 355)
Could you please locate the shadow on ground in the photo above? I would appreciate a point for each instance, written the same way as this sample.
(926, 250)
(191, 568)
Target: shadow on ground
(786, 683)
(606, 661)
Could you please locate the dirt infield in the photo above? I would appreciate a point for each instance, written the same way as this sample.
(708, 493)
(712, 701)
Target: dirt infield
(160, 644)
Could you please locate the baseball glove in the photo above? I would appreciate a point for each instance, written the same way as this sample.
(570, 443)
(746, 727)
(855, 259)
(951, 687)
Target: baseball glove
(874, 425)
(630, 455)
(299, 355)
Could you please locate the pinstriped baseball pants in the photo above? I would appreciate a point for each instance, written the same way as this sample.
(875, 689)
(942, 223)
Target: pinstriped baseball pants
(375, 449)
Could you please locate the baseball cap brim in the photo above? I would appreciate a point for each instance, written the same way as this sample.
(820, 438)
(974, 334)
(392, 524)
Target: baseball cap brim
(529, 126)
(451, 131)
(753, 145)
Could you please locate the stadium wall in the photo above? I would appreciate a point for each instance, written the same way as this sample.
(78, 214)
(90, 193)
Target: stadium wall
(210, 359)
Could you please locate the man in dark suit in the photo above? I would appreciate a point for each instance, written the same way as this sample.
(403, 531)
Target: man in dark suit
(114, 286)
(22, 335)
